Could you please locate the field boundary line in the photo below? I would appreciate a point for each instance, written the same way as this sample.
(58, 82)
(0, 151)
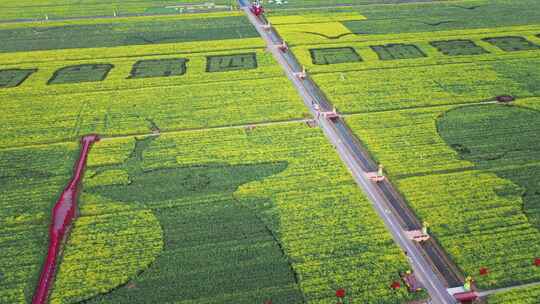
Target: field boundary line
(68, 140)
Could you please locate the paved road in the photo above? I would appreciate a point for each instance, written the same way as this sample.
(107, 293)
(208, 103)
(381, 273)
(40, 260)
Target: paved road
(356, 161)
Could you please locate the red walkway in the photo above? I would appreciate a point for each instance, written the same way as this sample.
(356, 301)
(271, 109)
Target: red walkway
(63, 214)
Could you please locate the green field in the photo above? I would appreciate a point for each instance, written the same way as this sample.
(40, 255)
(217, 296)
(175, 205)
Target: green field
(210, 187)
(124, 31)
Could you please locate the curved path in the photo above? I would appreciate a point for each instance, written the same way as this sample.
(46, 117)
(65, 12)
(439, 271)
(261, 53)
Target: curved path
(359, 164)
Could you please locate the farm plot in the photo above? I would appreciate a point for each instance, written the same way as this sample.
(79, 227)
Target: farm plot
(225, 63)
(230, 215)
(27, 9)
(183, 95)
(472, 173)
(377, 22)
(252, 189)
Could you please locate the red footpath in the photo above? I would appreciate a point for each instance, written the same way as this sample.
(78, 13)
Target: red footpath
(63, 214)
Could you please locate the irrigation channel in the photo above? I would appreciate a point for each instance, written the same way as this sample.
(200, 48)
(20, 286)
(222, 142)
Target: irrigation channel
(429, 262)
(63, 214)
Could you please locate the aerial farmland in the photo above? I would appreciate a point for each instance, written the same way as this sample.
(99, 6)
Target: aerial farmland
(271, 152)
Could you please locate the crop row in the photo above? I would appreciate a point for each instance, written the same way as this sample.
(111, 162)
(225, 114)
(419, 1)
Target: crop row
(474, 202)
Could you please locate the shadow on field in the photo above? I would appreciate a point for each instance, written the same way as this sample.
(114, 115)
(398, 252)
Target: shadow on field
(501, 139)
(215, 247)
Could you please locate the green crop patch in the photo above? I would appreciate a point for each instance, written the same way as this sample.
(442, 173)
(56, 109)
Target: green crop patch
(225, 63)
(334, 55)
(458, 47)
(86, 34)
(14, 77)
(397, 51)
(512, 43)
(159, 68)
(81, 73)
(480, 134)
